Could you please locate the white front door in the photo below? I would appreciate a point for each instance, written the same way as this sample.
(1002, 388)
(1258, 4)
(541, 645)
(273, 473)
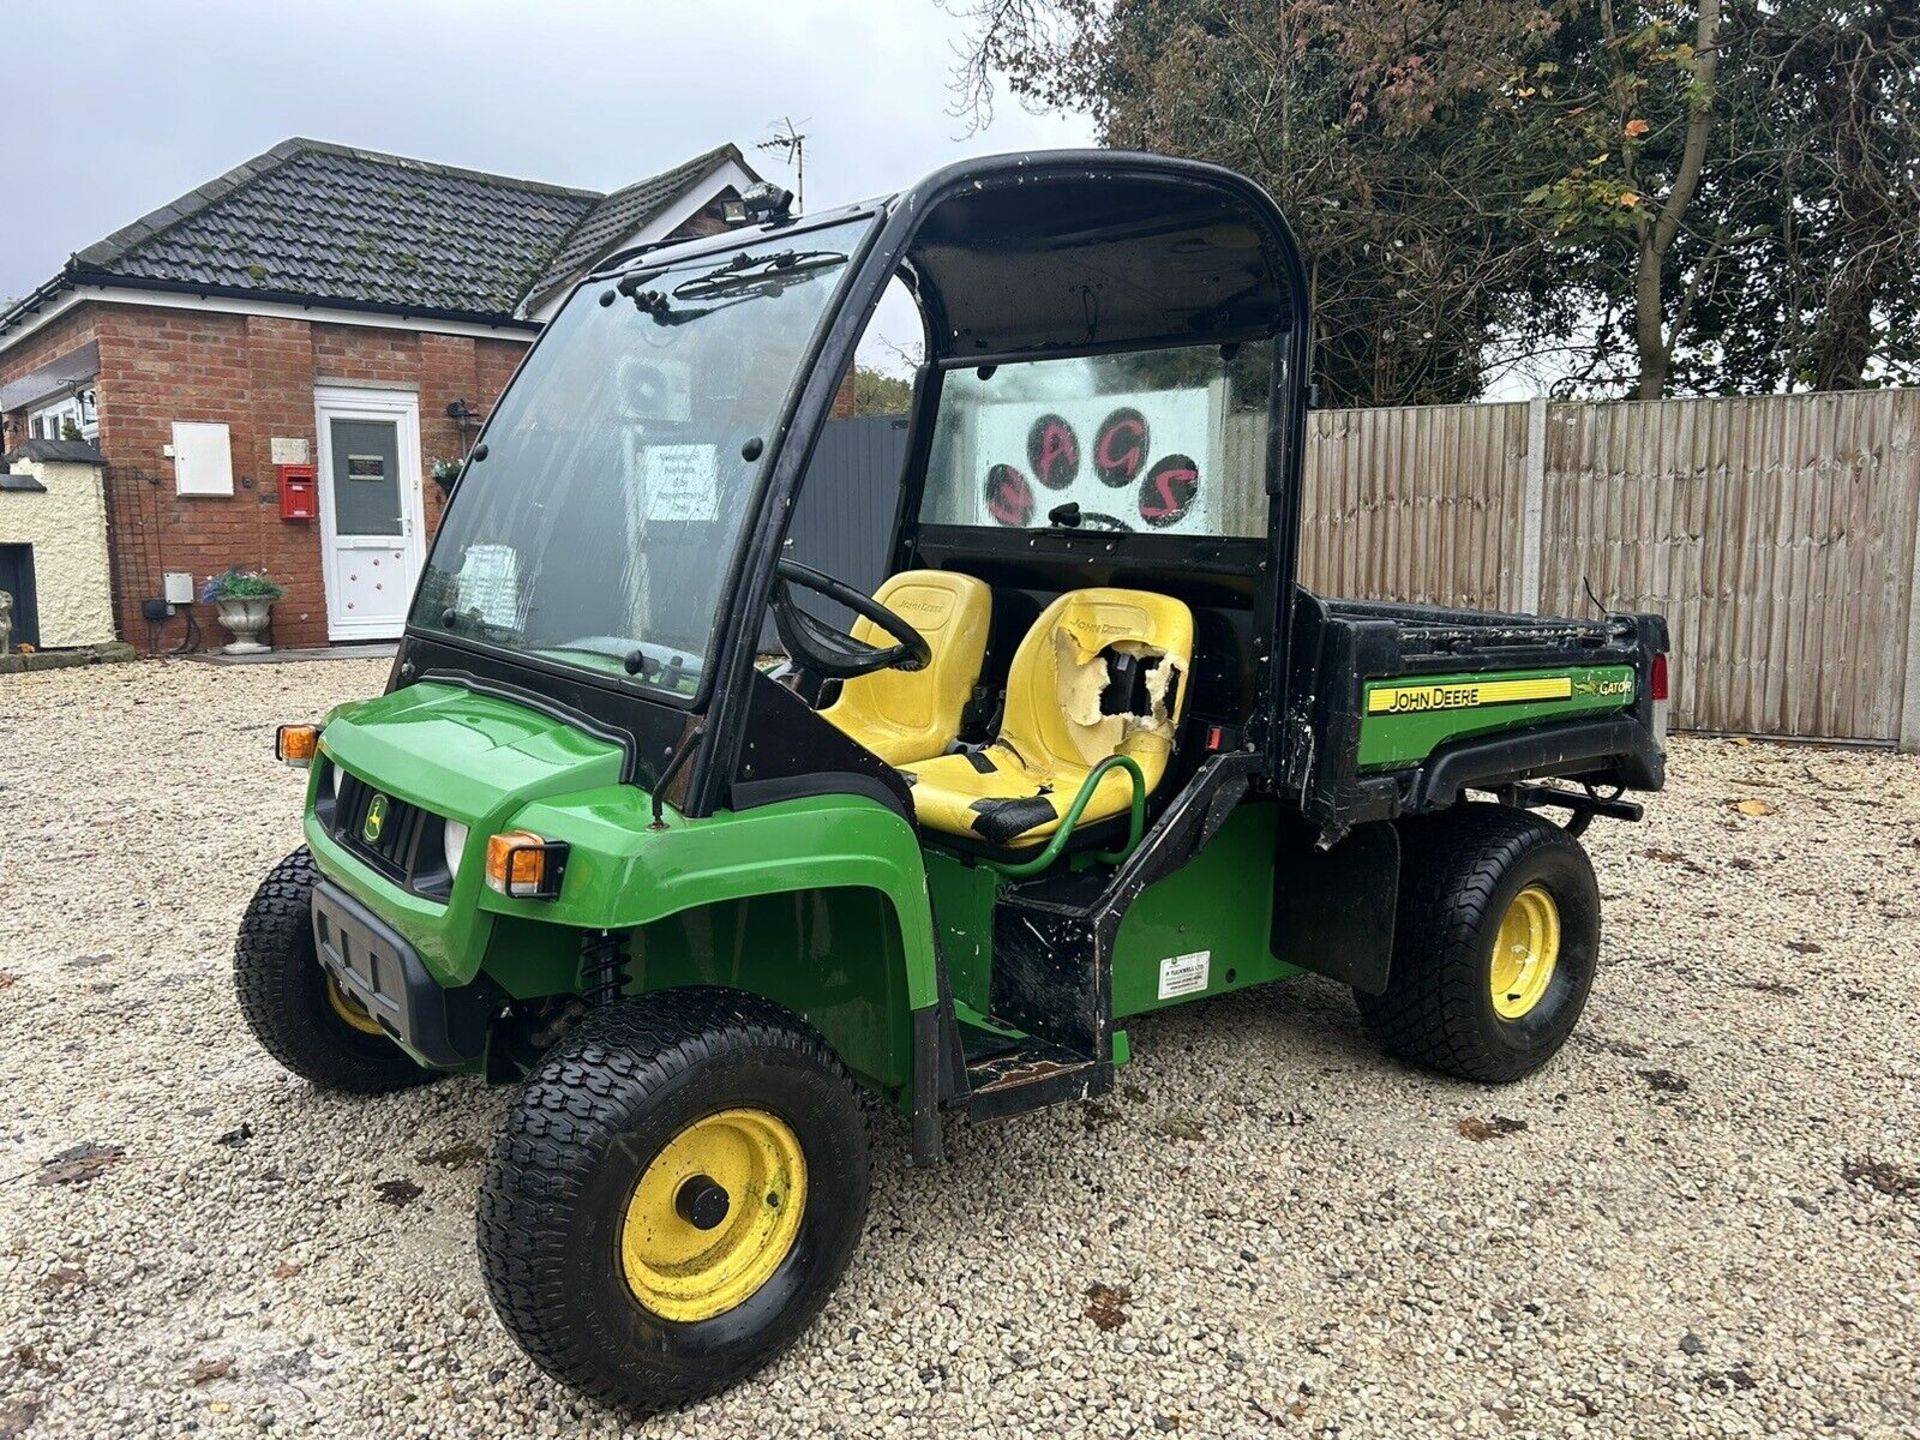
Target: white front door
(371, 526)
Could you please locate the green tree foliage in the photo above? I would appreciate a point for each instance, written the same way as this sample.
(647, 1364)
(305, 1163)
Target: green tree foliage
(877, 393)
(1821, 176)
(1694, 196)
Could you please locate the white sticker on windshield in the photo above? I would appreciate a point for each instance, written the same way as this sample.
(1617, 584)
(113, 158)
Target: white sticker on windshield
(682, 482)
(1184, 974)
(489, 585)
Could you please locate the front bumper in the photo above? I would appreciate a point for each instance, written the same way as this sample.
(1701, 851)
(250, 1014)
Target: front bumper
(375, 964)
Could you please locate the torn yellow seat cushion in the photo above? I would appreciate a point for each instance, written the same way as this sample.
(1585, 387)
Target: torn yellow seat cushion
(904, 716)
(1016, 791)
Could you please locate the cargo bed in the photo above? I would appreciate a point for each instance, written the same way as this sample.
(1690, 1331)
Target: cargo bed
(1395, 709)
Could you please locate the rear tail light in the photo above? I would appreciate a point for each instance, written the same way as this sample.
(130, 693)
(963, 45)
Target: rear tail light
(1658, 689)
(522, 865)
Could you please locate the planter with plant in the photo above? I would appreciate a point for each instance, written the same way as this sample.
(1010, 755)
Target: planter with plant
(244, 599)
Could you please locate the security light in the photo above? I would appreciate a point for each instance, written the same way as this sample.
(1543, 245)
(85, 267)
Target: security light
(765, 201)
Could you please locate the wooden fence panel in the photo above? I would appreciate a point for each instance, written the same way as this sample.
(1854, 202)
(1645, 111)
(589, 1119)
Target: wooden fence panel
(1422, 505)
(1775, 532)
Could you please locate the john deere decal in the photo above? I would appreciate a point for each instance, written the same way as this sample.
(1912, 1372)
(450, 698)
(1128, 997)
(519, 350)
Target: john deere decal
(376, 820)
(1415, 699)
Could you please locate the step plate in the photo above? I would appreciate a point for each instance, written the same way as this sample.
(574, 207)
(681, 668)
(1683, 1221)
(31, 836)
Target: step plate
(1032, 1076)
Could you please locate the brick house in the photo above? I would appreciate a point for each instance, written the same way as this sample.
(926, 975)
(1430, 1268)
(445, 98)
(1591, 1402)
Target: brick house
(320, 306)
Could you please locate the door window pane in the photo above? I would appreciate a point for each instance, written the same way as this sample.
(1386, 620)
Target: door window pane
(366, 477)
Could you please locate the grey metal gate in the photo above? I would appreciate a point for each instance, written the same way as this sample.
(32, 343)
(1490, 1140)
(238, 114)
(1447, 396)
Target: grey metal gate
(16, 578)
(844, 520)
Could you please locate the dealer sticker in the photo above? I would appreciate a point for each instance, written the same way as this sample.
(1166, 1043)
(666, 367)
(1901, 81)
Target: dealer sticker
(1184, 974)
(683, 483)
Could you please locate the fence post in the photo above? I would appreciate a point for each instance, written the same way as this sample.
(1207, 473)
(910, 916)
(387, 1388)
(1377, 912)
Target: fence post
(1910, 697)
(1533, 506)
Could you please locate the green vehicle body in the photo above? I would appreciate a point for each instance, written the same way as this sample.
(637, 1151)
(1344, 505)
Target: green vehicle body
(825, 905)
(742, 877)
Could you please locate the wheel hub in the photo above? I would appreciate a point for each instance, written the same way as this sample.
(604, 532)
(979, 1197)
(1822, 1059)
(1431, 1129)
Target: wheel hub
(701, 1203)
(351, 1010)
(1525, 953)
(714, 1215)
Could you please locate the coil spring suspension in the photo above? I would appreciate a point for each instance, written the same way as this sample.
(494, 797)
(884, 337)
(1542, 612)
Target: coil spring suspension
(603, 969)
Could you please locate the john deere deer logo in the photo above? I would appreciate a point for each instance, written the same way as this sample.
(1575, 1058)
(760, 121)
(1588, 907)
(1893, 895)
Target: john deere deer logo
(376, 820)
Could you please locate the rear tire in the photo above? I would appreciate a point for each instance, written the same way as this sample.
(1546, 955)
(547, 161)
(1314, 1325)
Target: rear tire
(651, 1303)
(1447, 1007)
(295, 1010)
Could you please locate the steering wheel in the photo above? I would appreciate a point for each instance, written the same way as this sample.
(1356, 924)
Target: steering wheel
(829, 652)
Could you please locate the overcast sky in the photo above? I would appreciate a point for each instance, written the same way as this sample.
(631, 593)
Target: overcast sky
(163, 96)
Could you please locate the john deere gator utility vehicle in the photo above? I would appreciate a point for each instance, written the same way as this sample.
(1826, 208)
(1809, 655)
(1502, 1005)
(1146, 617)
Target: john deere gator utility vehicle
(1087, 752)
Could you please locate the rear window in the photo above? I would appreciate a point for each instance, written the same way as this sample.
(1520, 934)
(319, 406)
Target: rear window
(1148, 441)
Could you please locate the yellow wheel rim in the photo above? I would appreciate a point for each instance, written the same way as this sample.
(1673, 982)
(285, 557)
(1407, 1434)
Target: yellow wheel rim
(351, 1010)
(714, 1215)
(1525, 953)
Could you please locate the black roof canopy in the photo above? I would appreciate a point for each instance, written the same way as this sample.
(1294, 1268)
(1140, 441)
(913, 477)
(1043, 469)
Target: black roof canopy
(1076, 252)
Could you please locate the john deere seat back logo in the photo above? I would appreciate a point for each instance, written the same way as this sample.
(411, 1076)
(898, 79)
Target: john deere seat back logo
(376, 820)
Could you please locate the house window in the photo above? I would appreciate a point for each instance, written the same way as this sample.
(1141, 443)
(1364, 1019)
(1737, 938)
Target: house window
(59, 419)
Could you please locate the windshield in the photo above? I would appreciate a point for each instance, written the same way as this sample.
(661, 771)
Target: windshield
(1146, 440)
(598, 528)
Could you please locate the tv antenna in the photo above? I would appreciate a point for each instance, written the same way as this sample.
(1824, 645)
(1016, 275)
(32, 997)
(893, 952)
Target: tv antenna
(786, 137)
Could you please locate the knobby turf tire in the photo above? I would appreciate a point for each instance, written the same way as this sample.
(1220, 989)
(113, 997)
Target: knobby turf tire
(283, 997)
(1459, 872)
(573, 1144)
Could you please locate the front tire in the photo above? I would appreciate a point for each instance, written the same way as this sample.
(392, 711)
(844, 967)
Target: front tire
(1495, 944)
(672, 1196)
(295, 1009)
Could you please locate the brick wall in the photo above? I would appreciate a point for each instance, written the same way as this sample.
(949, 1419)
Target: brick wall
(257, 375)
(69, 332)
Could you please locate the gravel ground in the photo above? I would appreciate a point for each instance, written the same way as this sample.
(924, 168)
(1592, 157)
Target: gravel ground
(1704, 1218)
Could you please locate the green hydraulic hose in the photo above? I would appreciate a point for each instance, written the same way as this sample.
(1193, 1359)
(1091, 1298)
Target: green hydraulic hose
(1137, 821)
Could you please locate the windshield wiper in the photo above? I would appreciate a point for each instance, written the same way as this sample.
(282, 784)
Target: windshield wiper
(744, 277)
(772, 272)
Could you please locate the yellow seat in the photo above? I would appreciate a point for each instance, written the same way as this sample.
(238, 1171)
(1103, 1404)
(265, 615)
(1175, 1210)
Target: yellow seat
(1102, 672)
(905, 716)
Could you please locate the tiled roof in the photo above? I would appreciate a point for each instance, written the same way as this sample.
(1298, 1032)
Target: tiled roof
(313, 219)
(78, 452)
(315, 222)
(626, 211)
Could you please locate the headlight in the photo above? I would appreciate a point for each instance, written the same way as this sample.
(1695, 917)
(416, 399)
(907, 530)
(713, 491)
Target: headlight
(453, 838)
(333, 780)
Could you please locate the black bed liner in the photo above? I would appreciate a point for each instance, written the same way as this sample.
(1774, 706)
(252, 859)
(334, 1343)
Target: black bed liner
(1434, 631)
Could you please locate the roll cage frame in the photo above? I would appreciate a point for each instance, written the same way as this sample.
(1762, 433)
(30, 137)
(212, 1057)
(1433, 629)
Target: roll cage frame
(691, 751)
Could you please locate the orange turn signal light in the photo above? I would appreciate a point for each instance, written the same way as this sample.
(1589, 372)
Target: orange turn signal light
(522, 865)
(296, 744)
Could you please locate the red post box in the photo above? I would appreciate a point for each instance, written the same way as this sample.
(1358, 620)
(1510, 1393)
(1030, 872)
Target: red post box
(298, 492)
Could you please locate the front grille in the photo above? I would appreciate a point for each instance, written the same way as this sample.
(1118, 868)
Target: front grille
(407, 848)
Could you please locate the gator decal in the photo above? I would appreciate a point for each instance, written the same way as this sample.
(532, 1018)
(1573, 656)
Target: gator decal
(1403, 721)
